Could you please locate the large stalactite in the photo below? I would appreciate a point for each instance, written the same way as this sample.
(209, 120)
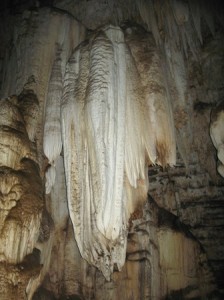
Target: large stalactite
(99, 106)
(110, 132)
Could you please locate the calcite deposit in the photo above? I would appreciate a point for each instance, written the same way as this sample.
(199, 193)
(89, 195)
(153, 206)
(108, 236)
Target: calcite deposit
(111, 135)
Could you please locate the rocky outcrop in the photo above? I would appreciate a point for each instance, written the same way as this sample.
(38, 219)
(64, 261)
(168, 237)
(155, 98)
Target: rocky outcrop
(159, 248)
(21, 196)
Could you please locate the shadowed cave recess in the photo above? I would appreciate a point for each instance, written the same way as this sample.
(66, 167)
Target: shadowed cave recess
(111, 149)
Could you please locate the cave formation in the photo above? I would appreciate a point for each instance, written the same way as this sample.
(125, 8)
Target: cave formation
(111, 149)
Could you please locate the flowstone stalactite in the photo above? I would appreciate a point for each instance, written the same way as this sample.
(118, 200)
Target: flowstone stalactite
(115, 119)
(52, 143)
(37, 37)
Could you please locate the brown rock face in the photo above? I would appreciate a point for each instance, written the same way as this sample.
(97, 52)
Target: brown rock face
(22, 200)
(108, 175)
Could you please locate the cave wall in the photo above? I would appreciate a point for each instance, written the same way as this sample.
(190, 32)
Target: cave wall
(169, 242)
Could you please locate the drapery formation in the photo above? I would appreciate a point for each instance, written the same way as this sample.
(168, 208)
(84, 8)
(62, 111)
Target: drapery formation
(119, 91)
(116, 119)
